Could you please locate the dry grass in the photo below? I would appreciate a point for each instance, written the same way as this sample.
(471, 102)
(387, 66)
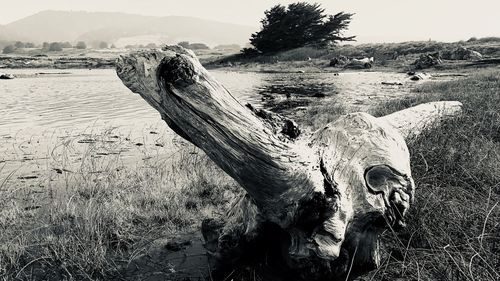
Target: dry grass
(93, 221)
(453, 229)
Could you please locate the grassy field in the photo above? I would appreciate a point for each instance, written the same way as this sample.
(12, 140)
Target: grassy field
(101, 217)
(454, 226)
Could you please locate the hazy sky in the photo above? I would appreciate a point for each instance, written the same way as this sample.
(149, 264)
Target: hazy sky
(375, 20)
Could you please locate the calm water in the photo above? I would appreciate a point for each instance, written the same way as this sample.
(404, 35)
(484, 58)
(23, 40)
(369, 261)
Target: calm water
(80, 107)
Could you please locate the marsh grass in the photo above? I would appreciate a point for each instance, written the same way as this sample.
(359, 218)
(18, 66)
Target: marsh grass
(453, 229)
(96, 218)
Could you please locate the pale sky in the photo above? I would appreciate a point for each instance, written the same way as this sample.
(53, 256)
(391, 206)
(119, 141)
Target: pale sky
(375, 20)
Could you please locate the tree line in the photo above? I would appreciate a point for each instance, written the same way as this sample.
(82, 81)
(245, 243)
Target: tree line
(53, 46)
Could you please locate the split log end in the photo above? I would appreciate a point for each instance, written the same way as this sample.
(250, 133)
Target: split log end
(413, 121)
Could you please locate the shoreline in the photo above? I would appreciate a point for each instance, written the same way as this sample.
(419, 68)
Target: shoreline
(315, 65)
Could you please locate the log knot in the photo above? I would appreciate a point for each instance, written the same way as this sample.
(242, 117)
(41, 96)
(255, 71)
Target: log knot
(280, 124)
(178, 70)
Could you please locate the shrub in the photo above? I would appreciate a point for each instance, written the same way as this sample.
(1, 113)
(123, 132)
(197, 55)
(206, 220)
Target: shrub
(232, 47)
(184, 44)
(66, 45)
(198, 46)
(19, 45)
(489, 40)
(103, 45)
(9, 49)
(193, 46)
(55, 47)
(81, 45)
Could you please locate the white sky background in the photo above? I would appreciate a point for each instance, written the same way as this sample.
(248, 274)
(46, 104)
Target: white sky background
(375, 20)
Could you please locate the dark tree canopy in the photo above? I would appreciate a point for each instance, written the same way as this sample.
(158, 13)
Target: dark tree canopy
(9, 49)
(81, 45)
(298, 25)
(193, 46)
(19, 44)
(55, 47)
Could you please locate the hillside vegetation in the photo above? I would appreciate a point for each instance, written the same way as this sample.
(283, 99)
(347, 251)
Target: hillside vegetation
(390, 54)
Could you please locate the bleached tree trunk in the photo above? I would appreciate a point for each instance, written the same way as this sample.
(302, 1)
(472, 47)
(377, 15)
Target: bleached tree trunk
(331, 192)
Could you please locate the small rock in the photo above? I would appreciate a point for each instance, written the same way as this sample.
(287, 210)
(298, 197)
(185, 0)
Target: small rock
(419, 76)
(6, 76)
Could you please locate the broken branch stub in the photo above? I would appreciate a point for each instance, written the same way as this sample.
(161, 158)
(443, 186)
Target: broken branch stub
(412, 121)
(331, 192)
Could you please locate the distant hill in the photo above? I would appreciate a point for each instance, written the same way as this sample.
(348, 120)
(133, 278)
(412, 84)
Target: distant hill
(102, 26)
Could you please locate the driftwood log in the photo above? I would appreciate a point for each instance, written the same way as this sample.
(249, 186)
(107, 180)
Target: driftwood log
(324, 196)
